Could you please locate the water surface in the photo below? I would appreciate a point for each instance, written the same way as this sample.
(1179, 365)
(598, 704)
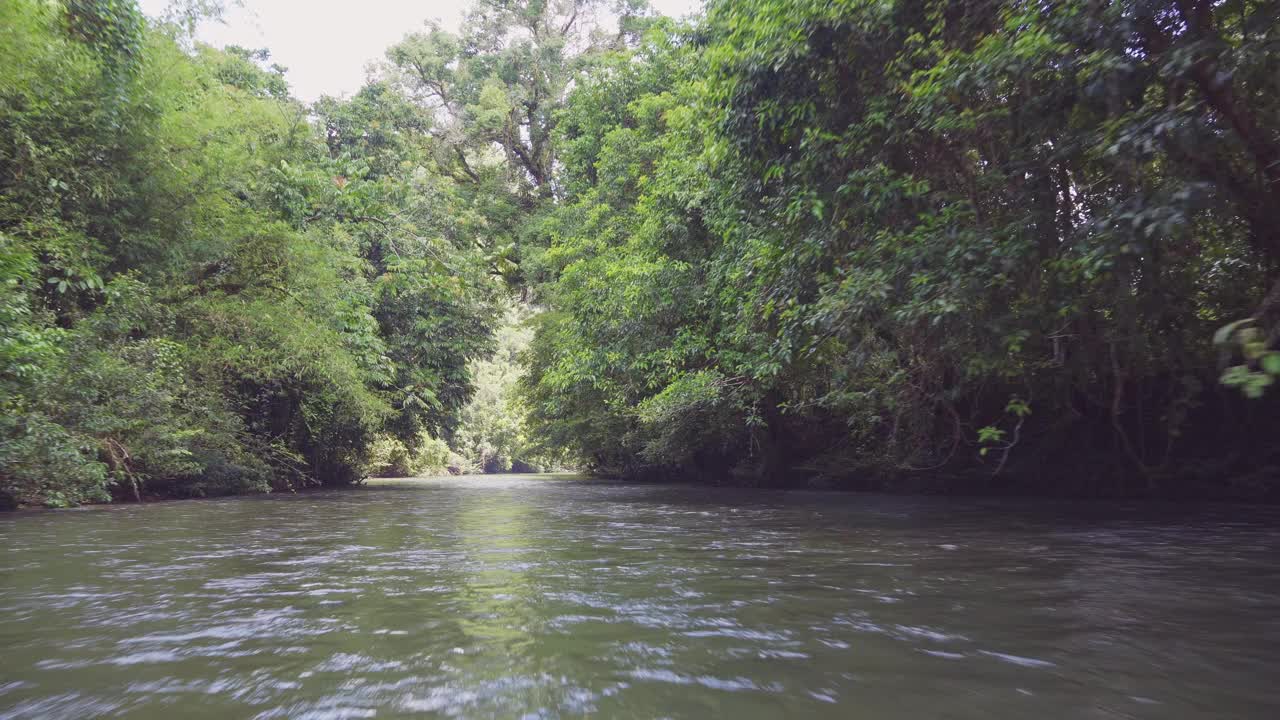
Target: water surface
(527, 597)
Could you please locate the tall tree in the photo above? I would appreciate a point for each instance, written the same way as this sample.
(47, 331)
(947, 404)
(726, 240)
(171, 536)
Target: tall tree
(500, 82)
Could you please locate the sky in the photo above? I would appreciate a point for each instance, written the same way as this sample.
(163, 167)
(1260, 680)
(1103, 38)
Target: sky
(326, 44)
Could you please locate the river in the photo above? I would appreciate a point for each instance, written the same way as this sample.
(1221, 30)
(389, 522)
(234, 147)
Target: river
(534, 597)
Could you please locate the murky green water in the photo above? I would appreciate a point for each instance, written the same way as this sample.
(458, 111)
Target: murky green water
(519, 597)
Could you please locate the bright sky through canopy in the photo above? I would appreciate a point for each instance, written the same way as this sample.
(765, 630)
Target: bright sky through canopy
(326, 44)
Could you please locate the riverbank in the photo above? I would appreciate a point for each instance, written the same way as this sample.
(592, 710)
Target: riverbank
(1262, 486)
(155, 499)
(1187, 484)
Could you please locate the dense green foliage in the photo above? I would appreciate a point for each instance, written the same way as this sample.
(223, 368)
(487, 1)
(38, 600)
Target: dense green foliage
(205, 289)
(925, 245)
(493, 435)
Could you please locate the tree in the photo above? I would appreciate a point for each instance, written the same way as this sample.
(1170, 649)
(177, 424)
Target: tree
(205, 293)
(976, 238)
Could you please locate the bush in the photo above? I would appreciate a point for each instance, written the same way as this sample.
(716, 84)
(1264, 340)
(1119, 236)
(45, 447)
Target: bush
(43, 463)
(391, 457)
(221, 476)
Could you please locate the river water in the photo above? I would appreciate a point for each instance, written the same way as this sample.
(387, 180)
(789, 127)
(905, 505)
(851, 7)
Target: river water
(534, 597)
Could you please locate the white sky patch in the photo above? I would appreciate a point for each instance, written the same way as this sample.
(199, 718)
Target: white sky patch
(327, 45)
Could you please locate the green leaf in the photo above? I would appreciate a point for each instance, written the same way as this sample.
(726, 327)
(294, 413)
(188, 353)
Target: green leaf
(1224, 333)
(1235, 375)
(990, 433)
(1018, 407)
(1271, 362)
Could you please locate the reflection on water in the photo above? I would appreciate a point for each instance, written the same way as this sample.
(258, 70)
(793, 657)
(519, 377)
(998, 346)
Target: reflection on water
(511, 597)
